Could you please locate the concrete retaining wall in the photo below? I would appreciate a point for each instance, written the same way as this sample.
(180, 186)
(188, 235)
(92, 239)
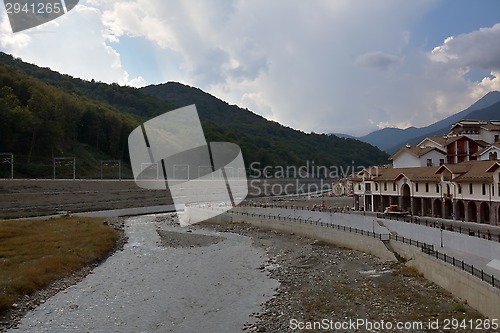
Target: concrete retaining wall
(472, 245)
(329, 235)
(479, 295)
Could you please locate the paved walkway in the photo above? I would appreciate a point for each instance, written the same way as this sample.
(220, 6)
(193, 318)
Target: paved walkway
(458, 226)
(482, 251)
(151, 288)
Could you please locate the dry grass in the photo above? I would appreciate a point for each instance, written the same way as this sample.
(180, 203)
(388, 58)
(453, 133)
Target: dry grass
(33, 253)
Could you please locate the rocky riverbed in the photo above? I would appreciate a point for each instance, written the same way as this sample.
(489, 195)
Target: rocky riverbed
(166, 279)
(321, 281)
(225, 277)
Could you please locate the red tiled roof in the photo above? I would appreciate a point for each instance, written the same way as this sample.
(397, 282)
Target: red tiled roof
(417, 151)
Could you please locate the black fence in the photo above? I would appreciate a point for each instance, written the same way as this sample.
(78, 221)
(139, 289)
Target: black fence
(442, 225)
(425, 248)
(319, 222)
(429, 249)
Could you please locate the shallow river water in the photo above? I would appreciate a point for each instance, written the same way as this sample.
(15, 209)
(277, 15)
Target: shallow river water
(151, 288)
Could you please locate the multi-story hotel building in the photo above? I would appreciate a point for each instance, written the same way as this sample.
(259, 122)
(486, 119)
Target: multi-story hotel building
(453, 177)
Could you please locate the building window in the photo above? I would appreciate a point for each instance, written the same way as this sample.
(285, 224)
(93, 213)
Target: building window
(483, 189)
(385, 186)
(441, 161)
(394, 187)
(437, 188)
(496, 137)
(459, 189)
(429, 162)
(368, 187)
(416, 187)
(376, 186)
(492, 190)
(471, 190)
(359, 187)
(426, 187)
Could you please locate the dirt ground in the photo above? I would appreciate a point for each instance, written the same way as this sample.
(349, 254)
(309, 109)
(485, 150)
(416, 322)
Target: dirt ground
(26, 198)
(34, 197)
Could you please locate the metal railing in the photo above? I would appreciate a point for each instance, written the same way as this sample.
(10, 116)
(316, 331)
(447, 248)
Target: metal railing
(425, 247)
(442, 225)
(309, 220)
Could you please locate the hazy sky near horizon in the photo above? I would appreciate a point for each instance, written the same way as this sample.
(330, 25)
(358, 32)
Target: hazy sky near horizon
(328, 66)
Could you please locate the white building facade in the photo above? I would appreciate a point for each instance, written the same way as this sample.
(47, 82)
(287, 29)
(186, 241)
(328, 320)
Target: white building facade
(469, 191)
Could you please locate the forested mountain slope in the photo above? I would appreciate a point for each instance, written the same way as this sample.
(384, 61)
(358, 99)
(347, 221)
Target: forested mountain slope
(44, 114)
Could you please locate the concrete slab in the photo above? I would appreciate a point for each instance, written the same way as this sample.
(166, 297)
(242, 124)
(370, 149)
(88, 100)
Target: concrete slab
(495, 264)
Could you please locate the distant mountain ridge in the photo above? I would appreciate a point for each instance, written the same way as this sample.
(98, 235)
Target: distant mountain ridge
(44, 113)
(345, 136)
(267, 141)
(385, 138)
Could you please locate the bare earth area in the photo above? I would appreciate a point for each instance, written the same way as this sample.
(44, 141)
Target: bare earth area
(28, 197)
(25, 198)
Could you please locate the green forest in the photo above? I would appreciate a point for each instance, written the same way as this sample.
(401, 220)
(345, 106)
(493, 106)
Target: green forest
(44, 114)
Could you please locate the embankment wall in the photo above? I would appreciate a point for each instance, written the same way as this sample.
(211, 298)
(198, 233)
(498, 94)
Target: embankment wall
(479, 295)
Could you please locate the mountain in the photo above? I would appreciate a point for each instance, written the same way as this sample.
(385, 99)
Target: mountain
(385, 137)
(490, 113)
(44, 114)
(345, 136)
(266, 141)
(391, 139)
(475, 111)
(39, 122)
(122, 98)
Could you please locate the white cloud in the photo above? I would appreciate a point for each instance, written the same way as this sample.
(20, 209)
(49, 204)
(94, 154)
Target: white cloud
(308, 65)
(386, 124)
(480, 48)
(7, 38)
(455, 58)
(378, 60)
(72, 44)
(137, 82)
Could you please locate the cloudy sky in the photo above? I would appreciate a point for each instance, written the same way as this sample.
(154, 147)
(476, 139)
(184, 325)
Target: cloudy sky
(332, 66)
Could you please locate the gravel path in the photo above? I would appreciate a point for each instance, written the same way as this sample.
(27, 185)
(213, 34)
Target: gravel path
(163, 284)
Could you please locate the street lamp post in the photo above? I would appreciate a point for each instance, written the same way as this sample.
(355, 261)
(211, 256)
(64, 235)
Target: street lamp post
(441, 237)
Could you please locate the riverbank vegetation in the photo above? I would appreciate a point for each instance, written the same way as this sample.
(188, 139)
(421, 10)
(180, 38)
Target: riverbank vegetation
(34, 253)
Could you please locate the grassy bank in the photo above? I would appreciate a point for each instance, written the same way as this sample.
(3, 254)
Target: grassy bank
(33, 253)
